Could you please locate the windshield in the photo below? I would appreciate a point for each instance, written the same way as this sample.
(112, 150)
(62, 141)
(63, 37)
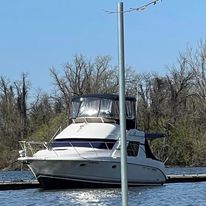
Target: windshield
(106, 107)
(100, 107)
(89, 107)
(75, 109)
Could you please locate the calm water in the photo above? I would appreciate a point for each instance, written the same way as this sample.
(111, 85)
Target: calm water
(183, 194)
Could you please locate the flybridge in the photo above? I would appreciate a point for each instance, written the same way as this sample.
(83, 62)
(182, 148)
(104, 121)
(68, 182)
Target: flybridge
(105, 106)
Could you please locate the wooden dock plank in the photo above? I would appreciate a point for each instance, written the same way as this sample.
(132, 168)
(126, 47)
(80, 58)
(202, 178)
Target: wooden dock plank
(14, 185)
(186, 178)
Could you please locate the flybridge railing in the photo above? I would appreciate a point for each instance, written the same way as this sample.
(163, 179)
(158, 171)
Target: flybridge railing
(93, 120)
(31, 147)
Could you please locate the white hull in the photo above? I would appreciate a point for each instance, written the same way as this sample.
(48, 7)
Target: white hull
(78, 173)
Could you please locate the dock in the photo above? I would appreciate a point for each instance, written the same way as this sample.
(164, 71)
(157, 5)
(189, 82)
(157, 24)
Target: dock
(16, 185)
(186, 178)
(30, 184)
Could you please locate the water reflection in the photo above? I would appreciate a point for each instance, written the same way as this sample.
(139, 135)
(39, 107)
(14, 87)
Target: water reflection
(184, 194)
(102, 197)
(92, 196)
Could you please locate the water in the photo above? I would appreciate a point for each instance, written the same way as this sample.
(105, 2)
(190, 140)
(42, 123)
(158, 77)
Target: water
(16, 175)
(183, 194)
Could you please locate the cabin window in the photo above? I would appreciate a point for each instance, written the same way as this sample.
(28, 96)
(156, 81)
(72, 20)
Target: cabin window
(132, 148)
(94, 143)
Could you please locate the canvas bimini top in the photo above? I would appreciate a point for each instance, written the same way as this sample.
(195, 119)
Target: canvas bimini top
(103, 105)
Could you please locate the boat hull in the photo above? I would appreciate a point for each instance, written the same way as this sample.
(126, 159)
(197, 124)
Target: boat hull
(92, 174)
(52, 182)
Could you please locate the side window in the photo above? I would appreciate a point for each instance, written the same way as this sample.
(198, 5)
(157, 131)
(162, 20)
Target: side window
(132, 148)
(130, 109)
(115, 109)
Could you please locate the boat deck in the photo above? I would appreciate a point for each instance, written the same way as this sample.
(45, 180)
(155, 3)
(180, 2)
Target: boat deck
(29, 184)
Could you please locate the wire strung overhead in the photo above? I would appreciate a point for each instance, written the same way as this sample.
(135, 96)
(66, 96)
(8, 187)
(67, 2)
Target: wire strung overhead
(141, 8)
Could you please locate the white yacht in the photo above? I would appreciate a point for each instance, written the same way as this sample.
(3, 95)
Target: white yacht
(87, 152)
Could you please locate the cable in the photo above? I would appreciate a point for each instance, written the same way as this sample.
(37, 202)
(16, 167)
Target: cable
(141, 8)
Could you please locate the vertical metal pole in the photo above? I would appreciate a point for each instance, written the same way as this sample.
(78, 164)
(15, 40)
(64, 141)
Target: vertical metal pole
(124, 183)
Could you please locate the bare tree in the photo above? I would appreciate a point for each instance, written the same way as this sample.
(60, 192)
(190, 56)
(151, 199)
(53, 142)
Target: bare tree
(180, 83)
(22, 92)
(144, 101)
(84, 77)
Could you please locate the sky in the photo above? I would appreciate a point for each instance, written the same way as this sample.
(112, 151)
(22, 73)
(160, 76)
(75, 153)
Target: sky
(37, 35)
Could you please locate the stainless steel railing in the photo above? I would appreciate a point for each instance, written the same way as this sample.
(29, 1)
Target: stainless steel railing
(29, 148)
